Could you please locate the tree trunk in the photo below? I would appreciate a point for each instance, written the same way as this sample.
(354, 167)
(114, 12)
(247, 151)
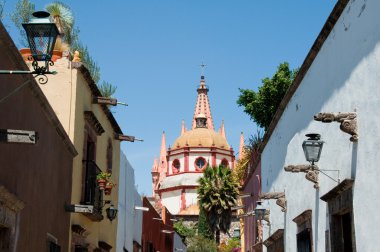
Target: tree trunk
(217, 237)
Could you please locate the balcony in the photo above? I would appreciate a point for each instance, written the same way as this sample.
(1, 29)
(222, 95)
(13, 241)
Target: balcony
(92, 194)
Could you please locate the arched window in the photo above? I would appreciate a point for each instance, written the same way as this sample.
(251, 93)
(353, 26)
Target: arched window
(225, 163)
(176, 166)
(109, 156)
(200, 163)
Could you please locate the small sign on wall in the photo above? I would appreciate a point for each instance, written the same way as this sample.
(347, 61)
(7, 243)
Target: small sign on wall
(18, 136)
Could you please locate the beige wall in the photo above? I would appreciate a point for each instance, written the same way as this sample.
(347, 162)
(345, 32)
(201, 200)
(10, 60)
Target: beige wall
(69, 94)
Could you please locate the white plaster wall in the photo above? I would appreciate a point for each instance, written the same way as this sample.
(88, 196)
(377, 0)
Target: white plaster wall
(191, 197)
(344, 77)
(178, 245)
(129, 222)
(172, 200)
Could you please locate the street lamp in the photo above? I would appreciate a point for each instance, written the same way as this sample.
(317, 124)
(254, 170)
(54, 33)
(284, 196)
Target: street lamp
(41, 34)
(312, 147)
(111, 213)
(259, 210)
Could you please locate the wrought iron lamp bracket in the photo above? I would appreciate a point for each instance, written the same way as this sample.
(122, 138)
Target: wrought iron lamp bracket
(41, 71)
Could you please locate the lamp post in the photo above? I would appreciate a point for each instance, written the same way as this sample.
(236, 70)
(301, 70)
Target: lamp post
(41, 34)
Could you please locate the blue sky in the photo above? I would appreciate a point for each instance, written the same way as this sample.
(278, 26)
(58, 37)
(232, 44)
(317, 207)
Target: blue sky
(151, 50)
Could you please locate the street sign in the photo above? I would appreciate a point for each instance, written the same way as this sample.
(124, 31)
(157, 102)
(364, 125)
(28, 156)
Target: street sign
(18, 136)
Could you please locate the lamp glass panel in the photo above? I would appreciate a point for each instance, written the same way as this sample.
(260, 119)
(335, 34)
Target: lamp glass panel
(41, 38)
(312, 150)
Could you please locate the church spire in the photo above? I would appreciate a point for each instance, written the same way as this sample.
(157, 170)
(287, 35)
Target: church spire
(222, 131)
(241, 146)
(203, 106)
(162, 164)
(183, 129)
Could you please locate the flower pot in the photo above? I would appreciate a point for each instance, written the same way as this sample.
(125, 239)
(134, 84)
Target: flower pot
(26, 54)
(101, 183)
(108, 190)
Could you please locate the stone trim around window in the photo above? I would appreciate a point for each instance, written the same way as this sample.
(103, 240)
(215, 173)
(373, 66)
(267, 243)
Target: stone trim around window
(274, 237)
(90, 117)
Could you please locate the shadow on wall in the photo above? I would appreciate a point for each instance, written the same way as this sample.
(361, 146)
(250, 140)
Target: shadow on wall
(332, 80)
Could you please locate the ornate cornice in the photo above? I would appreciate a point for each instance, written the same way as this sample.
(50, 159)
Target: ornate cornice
(306, 215)
(348, 122)
(343, 186)
(312, 173)
(274, 237)
(94, 122)
(278, 196)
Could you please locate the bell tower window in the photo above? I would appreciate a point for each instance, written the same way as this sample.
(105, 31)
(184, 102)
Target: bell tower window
(200, 163)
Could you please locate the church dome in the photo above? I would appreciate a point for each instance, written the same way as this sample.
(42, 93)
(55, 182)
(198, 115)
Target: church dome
(201, 137)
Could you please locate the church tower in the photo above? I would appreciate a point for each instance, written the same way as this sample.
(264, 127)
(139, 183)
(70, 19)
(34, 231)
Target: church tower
(175, 176)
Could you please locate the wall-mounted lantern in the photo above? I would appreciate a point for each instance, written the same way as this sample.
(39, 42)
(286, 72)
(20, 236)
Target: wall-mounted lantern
(111, 212)
(41, 34)
(312, 147)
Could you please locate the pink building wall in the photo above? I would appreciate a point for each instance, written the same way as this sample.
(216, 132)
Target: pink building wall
(252, 186)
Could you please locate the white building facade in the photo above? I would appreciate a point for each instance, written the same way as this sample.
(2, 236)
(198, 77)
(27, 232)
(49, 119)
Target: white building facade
(341, 73)
(129, 221)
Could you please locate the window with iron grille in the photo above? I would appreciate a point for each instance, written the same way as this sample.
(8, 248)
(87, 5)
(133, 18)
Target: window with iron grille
(92, 194)
(53, 247)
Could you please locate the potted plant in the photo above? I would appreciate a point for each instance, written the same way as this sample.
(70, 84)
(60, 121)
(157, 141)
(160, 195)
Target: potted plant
(102, 179)
(108, 187)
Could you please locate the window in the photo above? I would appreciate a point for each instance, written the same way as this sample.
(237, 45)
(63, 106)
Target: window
(93, 195)
(109, 156)
(224, 163)
(304, 234)
(200, 163)
(176, 165)
(304, 241)
(53, 247)
(52, 244)
(340, 208)
(5, 235)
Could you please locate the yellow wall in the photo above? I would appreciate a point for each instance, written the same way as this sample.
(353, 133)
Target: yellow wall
(69, 95)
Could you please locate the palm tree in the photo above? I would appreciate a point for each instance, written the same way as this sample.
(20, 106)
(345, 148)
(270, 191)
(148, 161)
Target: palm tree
(64, 19)
(217, 193)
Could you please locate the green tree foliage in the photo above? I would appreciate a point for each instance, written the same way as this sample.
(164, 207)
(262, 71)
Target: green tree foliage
(89, 62)
(22, 14)
(261, 106)
(241, 169)
(199, 243)
(203, 227)
(2, 4)
(186, 232)
(107, 89)
(217, 193)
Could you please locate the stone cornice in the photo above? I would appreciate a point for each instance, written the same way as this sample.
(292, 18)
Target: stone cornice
(343, 186)
(274, 237)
